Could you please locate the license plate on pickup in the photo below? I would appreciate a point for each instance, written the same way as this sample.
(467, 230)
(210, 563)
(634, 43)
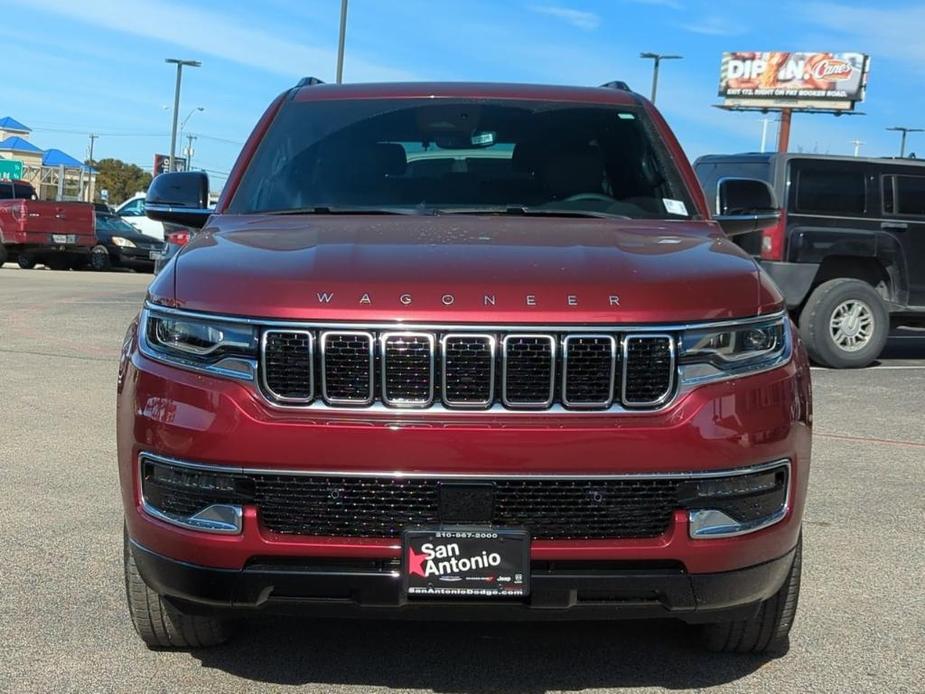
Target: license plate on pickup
(64, 238)
(466, 562)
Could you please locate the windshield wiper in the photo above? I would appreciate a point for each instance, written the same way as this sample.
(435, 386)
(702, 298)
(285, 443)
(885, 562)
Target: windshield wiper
(515, 211)
(326, 210)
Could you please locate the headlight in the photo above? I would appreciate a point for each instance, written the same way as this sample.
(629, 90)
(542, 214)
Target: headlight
(715, 353)
(123, 243)
(227, 349)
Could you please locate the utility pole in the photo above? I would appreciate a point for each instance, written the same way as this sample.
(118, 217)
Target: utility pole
(657, 59)
(341, 40)
(783, 134)
(902, 142)
(189, 152)
(90, 164)
(857, 146)
(93, 139)
(176, 106)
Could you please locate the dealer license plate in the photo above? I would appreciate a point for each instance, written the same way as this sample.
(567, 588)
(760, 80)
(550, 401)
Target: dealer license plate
(466, 562)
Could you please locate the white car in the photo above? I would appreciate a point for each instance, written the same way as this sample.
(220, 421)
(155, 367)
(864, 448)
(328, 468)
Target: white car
(133, 212)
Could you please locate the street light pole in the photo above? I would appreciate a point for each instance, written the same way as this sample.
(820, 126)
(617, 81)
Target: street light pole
(657, 59)
(902, 142)
(176, 106)
(341, 40)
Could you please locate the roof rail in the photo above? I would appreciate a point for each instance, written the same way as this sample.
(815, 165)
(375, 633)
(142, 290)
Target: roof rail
(309, 82)
(617, 84)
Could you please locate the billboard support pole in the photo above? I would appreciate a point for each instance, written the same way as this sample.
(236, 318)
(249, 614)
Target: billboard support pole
(783, 135)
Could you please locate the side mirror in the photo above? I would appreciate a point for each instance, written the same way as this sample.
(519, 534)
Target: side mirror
(744, 205)
(179, 198)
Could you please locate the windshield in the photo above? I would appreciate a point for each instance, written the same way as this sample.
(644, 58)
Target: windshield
(109, 222)
(453, 155)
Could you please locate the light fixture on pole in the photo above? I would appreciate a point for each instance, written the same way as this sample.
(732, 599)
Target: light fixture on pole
(657, 59)
(902, 141)
(171, 164)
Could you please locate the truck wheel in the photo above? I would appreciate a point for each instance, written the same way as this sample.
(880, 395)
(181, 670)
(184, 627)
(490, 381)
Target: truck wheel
(99, 259)
(768, 631)
(845, 324)
(4, 254)
(160, 624)
(25, 261)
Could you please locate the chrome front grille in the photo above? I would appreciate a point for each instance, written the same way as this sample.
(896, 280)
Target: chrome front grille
(579, 371)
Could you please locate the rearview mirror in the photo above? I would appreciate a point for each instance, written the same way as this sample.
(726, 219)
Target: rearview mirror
(744, 205)
(179, 198)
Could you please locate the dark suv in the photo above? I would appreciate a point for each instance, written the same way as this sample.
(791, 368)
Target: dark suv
(849, 250)
(463, 350)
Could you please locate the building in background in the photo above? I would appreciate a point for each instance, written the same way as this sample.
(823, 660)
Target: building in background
(54, 174)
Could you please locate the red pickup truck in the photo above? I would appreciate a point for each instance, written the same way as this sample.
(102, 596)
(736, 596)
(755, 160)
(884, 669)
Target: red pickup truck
(463, 350)
(57, 234)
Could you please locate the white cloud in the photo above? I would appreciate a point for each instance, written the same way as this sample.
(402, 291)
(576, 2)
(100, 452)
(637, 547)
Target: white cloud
(202, 32)
(714, 26)
(587, 21)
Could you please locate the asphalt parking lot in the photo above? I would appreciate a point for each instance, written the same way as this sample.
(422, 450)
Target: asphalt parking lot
(64, 625)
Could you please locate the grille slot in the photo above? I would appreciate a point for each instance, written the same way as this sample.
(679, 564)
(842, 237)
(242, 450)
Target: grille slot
(589, 365)
(347, 363)
(528, 370)
(383, 507)
(648, 369)
(407, 369)
(468, 370)
(288, 365)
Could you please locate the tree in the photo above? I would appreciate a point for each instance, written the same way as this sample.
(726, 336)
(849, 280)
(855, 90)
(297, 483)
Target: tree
(120, 179)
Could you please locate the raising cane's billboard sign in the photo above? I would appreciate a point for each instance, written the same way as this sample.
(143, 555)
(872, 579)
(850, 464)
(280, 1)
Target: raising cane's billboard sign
(793, 80)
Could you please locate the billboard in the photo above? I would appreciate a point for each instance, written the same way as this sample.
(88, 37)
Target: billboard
(779, 79)
(161, 162)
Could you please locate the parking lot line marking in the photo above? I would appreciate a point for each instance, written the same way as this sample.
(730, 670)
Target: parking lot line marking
(867, 439)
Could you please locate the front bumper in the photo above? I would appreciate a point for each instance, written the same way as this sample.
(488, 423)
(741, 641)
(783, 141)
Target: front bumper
(718, 427)
(560, 590)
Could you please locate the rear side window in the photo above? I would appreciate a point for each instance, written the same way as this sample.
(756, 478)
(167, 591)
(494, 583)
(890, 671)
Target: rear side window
(16, 191)
(904, 195)
(830, 191)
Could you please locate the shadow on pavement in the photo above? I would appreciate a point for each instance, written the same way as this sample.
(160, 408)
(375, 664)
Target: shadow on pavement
(523, 658)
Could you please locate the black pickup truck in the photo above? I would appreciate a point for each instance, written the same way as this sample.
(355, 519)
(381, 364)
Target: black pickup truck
(849, 250)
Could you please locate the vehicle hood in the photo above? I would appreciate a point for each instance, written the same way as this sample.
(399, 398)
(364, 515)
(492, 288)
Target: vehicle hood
(465, 269)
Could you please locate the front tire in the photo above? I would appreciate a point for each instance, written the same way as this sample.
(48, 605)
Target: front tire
(768, 631)
(160, 624)
(845, 324)
(99, 259)
(25, 261)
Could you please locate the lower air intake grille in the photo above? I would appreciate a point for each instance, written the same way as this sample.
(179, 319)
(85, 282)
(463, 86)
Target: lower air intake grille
(383, 507)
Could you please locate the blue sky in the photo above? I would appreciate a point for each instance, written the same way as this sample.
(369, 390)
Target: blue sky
(97, 66)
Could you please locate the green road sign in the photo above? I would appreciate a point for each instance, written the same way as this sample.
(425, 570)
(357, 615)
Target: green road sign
(10, 168)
